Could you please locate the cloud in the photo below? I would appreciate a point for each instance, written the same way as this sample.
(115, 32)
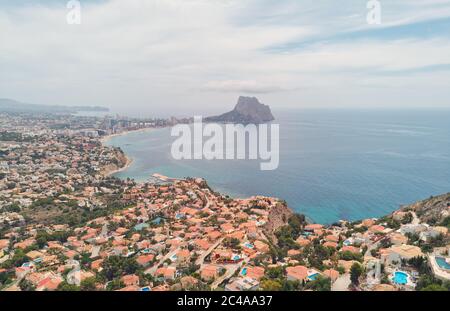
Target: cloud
(175, 55)
(245, 87)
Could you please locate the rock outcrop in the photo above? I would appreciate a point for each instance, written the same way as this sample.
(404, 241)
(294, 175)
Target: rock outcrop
(278, 217)
(433, 210)
(247, 111)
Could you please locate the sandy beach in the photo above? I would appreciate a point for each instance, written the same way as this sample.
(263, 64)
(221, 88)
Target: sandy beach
(104, 139)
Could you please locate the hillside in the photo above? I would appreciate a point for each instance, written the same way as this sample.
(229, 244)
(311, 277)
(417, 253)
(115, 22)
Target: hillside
(10, 105)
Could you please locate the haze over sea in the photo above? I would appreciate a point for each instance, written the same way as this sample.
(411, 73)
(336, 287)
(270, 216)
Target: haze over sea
(334, 164)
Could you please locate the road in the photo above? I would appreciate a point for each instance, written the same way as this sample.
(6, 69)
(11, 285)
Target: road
(342, 283)
(415, 220)
(231, 269)
(202, 257)
(153, 269)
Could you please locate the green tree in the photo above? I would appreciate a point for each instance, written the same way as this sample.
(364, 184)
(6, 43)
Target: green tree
(435, 288)
(355, 272)
(321, 284)
(26, 286)
(88, 285)
(271, 285)
(66, 287)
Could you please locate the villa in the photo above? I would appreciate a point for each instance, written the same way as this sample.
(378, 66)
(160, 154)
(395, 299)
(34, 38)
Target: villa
(395, 253)
(297, 273)
(243, 284)
(209, 272)
(130, 280)
(332, 274)
(255, 273)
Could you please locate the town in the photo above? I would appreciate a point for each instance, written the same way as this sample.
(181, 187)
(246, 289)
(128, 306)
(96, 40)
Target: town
(66, 224)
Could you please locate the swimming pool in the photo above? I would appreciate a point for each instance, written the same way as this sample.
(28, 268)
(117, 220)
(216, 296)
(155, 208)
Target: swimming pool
(248, 245)
(442, 263)
(244, 272)
(400, 278)
(313, 277)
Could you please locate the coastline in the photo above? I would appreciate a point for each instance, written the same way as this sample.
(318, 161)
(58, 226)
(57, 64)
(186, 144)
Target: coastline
(106, 138)
(128, 160)
(128, 163)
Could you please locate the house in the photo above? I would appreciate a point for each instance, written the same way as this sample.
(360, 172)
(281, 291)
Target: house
(188, 282)
(221, 255)
(261, 246)
(432, 233)
(331, 274)
(302, 241)
(167, 273)
(330, 244)
(50, 283)
(368, 222)
(22, 271)
(398, 239)
(4, 244)
(256, 273)
(130, 280)
(242, 284)
(312, 227)
(201, 244)
(351, 249)
(210, 272)
(413, 228)
(227, 228)
(346, 264)
(145, 260)
(396, 253)
(97, 265)
(183, 256)
(297, 273)
(332, 238)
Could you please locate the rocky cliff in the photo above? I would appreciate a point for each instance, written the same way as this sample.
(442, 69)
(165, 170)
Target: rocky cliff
(120, 162)
(433, 210)
(278, 217)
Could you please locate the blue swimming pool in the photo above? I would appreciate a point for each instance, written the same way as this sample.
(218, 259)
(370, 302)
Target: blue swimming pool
(442, 263)
(249, 245)
(244, 272)
(400, 278)
(313, 277)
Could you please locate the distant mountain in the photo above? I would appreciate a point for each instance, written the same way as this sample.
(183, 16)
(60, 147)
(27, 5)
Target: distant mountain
(10, 105)
(248, 110)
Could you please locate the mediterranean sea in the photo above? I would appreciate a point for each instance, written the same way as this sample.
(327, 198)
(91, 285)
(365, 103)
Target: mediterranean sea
(334, 164)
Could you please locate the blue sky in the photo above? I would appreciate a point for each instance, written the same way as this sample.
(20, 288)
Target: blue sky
(192, 56)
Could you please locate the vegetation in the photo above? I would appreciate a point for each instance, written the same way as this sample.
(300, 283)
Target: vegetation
(321, 284)
(115, 267)
(355, 273)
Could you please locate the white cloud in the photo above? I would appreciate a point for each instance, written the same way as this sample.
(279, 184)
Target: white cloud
(237, 86)
(164, 54)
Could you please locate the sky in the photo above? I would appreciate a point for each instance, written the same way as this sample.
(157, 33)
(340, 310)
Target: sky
(184, 57)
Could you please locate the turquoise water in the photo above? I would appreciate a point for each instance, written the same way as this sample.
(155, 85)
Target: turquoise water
(343, 164)
(442, 263)
(400, 278)
(313, 277)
